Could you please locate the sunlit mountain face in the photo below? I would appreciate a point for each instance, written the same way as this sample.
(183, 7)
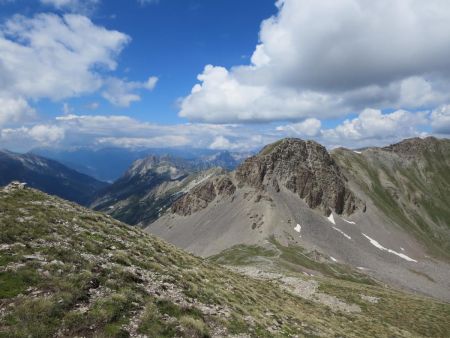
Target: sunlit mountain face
(193, 168)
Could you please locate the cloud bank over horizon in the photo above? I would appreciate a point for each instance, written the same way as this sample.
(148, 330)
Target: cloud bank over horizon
(369, 128)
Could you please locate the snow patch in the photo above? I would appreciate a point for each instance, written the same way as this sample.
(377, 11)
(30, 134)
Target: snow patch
(342, 233)
(356, 152)
(333, 259)
(298, 228)
(402, 249)
(379, 246)
(350, 222)
(331, 219)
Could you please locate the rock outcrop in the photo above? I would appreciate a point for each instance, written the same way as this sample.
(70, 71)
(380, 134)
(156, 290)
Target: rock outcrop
(303, 167)
(200, 196)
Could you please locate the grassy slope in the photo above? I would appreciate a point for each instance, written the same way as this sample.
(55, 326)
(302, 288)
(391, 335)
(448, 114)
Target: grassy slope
(419, 202)
(69, 271)
(393, 308)
(288, 259)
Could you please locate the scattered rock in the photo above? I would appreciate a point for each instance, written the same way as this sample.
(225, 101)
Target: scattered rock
(370, 299)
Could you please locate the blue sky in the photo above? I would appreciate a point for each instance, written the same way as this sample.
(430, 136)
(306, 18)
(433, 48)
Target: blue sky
(175, 39)
(222, 74)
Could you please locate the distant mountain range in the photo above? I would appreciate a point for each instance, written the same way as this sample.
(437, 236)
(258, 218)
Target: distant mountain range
(108, 164)
(70, 174)
(152, 184)
(48, 176)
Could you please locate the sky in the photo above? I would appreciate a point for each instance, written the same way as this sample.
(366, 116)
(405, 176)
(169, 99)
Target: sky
(222, 74)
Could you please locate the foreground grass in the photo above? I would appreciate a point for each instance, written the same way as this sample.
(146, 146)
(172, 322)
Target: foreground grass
(67, 271)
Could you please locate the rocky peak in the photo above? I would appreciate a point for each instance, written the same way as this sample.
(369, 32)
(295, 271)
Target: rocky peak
(159, 165)
(303, 167)
(415, 146)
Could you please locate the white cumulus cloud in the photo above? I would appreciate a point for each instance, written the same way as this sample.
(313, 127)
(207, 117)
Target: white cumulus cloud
(372, 124)
(309, 127)
(55, 57)
(38, 135)
(14, 109)
(59, 57)
(221, 142)
(122, 93)
(47, 134)
(328, 58)
(440, 120)
(371, 127)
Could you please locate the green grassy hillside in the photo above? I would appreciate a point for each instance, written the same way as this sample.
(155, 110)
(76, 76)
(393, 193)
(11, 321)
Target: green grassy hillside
(68, 271)
(410, 183)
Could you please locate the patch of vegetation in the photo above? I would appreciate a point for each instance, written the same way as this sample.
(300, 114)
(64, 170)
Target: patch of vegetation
(13, 283)
(194, 327)
(242, 255)
(36, 317)
(152, 323)
(292, 257)
(5, 259)
(417, 315)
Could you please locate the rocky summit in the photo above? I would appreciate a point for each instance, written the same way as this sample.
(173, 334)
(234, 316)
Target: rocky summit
(305, 168)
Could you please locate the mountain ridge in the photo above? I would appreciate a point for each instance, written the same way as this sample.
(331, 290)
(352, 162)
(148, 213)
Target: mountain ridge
(109, 164)
(48, 175)
(380, 236)
(149, 186)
